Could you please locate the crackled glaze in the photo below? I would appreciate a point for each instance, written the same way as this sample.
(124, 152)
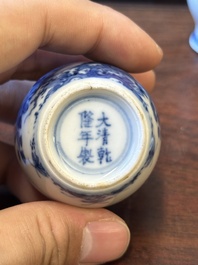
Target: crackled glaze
(88, 135)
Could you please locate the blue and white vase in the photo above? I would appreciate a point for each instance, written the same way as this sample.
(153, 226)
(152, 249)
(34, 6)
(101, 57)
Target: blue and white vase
(87, 135)
(193, 40)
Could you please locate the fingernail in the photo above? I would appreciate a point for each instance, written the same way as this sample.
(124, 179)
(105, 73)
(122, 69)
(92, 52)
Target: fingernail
(104, 241)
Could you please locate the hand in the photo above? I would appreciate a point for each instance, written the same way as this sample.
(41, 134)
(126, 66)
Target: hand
(35, 38)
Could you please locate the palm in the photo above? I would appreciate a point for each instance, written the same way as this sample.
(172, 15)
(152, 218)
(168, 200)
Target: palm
(13, 177)
(11, 174)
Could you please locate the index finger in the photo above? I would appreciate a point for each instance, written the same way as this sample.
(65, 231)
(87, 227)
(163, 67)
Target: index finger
(73, 27)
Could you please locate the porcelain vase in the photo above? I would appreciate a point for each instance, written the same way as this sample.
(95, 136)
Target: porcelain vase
(88, 135)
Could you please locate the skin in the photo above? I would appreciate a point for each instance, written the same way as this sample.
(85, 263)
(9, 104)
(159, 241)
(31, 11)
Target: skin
(39, 231)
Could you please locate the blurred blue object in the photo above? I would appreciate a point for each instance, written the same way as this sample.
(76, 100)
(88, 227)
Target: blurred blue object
(193, 40)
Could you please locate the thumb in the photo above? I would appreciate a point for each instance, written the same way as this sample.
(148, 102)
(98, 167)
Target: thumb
(53, 233)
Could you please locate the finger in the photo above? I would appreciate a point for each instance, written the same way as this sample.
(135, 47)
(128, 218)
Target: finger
(6, 155)
(18, 184)
(7, 132)
(39, 64)
(54, 27)
(12, 94)
(53, 233)
(147, 80)
(11, 98)
(11, 173)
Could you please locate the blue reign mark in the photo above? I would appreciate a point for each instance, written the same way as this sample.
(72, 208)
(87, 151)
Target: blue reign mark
(85, 156)
(103, 121)
(86, 119)
(104, 135)
(104, 155)
(87, 137)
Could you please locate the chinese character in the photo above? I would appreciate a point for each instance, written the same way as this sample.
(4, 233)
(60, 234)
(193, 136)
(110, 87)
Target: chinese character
(86, 119)
(104, 154)
(104, 135)
(86, 136)
(103, 120)
(85, 156)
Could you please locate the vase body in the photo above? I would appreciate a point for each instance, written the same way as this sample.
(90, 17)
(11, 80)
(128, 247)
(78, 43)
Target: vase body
(87, 135)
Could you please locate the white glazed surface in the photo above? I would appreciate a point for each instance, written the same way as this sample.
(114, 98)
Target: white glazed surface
(120, 134)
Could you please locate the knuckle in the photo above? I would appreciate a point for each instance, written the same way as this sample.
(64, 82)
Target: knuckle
(54, 239)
